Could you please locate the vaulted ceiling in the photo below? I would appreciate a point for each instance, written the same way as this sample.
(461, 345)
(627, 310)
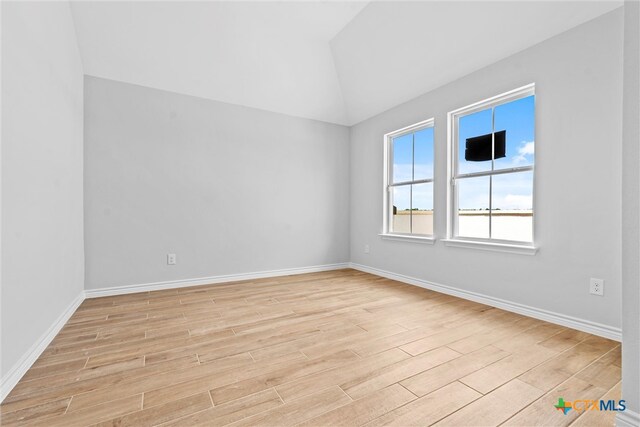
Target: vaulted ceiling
(335, 61)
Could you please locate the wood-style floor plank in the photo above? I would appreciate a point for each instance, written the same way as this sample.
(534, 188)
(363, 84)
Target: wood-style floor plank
(429, 408)
(496, 374)
(95, 414)
(567, 364)
(358, 370)
(298, 411)
(600, 418)
(539, 413)
(331, 348)
(443, 374)
(494, 408)
(397, 372)
(236, 410)
(282, 375)
(364, 410)
(164, 413)
(587, 384)
(35, 413)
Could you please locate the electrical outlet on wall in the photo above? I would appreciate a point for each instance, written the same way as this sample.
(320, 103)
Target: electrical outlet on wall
(171, 259)
(366, 249)
(596, 286)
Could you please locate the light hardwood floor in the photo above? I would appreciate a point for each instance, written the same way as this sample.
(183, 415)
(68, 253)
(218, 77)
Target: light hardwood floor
(323, 349)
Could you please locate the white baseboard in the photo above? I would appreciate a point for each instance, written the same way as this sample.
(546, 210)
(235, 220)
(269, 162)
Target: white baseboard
(12, 377)
(625, 419)
(548, 316)
(628, 419)
(171, 284)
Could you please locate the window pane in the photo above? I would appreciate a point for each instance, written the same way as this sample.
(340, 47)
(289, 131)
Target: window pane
(422, 209)
(401, 209)
(473, 207)
(423, 154)
(517, 119)
(403, 158)
(470, 126)
(512, 214)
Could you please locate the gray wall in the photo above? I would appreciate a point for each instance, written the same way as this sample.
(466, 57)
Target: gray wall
(631, 209)
(578, 77)
(228, 189)
(42, 244)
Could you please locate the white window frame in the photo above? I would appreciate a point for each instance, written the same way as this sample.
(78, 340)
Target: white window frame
(453, 239)
(388, 185)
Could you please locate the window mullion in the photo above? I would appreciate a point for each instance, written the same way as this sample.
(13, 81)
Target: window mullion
(493, 168)
(418, 181)
(496, 172)
(411, 208)
(413, 157)
(389, 208)
(390, 170)
(413, 178)
(490, 203)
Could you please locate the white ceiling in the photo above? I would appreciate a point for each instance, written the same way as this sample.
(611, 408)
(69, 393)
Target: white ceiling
(393, 52)
(335, 61)
(269, 55)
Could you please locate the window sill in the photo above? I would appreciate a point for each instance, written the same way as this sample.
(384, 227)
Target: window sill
(491, 246)
(406, 238)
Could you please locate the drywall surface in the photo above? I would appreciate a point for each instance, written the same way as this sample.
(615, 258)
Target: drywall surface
(42, 242)
(578, 77)
(631, 209)
(228, 189)
(393, 51)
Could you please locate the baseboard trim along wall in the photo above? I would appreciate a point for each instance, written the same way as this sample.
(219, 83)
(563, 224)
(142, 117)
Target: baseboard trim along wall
(548, 316)
(628, 419)
(183, 283)
(18, 371)
(10, 380)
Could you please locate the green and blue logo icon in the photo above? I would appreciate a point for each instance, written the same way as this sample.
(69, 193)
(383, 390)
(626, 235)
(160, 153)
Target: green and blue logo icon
(563, 406)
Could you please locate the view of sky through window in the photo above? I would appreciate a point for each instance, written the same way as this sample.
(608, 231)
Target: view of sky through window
(406, 148)
(508, 196)
(515, 190)
(412, 155)
(516, 117)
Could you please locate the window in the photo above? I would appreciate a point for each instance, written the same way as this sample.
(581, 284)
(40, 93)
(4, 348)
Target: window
(491, 147)
(408, 200)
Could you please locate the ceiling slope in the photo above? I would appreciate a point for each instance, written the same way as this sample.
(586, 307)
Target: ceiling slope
(336, 61)
(269, 55)
(394, 51)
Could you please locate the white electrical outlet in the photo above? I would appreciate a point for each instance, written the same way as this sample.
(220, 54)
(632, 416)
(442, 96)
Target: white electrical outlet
(366, 249)
(171, 259)
(596, 286)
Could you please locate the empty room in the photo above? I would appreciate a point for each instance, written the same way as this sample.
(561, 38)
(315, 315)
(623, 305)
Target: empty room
(320, 213)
